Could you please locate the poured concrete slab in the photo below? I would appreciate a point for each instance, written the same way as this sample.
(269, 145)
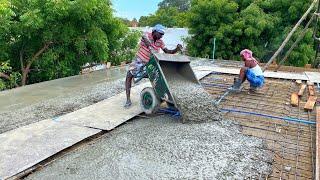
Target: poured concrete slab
(107, 114)
(269, 74)
(24, 147)
(31, 94)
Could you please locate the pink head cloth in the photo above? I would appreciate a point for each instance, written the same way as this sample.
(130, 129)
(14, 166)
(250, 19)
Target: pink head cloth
(247, 54)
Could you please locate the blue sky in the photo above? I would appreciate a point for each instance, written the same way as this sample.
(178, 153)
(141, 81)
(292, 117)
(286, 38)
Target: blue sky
(134, 8)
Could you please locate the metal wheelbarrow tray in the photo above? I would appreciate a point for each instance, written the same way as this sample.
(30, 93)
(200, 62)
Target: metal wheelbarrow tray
(159, 68)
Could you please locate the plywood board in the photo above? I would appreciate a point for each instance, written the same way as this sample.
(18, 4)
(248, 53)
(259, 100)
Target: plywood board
(268, 74)
(302, 88)
(310, 103)
(24, 147)
(201, 74)
(107, 114)
(311, 90)
(314, 77)
(294, 99)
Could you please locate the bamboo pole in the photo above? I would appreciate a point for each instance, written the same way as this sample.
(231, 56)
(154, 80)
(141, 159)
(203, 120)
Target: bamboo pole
(290, 35)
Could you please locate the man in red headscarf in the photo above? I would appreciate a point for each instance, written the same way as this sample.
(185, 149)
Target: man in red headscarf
(251, 71)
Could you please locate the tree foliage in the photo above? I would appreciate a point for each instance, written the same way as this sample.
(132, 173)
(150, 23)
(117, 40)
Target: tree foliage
(181, 5)
(126, 21)
(47, 39)
(237, 24)
(8, 78)
(171, 13)
(169, 17)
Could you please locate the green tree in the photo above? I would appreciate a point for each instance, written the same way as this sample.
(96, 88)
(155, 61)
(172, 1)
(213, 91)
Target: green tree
(237, 24)
(169, 17)
(209, 19)
(171, 13)
(304, 52)
(181, 5)
(126, 21)
(52, 39)
(8, 78)
(143, 21)
(128, 48)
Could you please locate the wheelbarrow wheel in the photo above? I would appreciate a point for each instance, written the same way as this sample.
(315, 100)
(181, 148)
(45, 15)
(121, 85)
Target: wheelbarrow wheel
(149, 101)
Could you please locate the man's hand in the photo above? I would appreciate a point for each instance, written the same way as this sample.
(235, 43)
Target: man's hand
(179, 47)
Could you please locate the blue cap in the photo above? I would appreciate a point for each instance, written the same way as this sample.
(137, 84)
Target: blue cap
(159, 28)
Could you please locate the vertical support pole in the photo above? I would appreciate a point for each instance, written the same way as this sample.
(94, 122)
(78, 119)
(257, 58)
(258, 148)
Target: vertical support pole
(316, 39)
(317, 175)
(214, 48)
(290, 35)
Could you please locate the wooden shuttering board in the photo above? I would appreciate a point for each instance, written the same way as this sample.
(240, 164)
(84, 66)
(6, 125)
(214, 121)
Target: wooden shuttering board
(294, 99)
(311, 90)
(301, 91)
(310, 103)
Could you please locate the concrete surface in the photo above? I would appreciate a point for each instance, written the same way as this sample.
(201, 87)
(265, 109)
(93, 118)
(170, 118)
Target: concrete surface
(54, 107)
(104, 115)
(48, 106)
(68, 102)
(23, 97)
(24, 147)
(163, 148)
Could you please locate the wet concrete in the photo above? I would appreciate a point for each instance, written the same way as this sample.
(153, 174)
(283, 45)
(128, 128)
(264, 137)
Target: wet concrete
(14, 99)
(154, 148)
(55, 107)
(29, 104)
(193, 101)
(164, 148)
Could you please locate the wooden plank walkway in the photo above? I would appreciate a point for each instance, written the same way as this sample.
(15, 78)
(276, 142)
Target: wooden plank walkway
(107, 114)
(26, 146)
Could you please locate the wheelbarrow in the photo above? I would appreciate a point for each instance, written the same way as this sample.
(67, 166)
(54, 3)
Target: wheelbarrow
(158, 69)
